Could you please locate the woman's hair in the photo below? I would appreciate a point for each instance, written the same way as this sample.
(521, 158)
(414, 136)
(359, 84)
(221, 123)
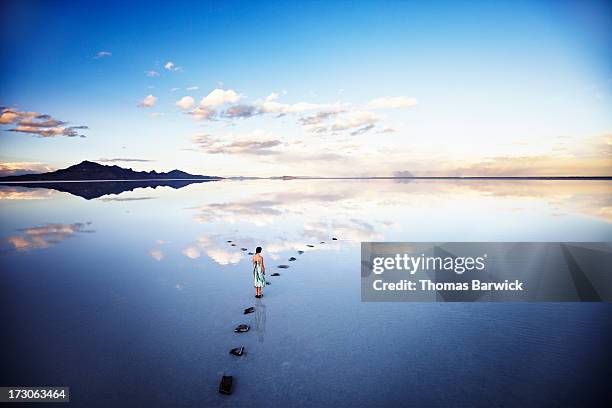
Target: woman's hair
(258, 250)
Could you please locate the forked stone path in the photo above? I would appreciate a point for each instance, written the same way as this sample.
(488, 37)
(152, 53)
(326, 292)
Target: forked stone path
(227, 381)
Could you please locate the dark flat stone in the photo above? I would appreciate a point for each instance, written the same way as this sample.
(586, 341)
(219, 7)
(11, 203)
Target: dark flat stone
(275, 274)
(310, 246)
(237, 351)
(268, 283)
(283, 266)
(225, 387)
(242, 328)
(233, 244)
(251, 253)
(300, 252)
(249, 310)
(322, 242)
(334, 239)
(243, 249)
(292, 259)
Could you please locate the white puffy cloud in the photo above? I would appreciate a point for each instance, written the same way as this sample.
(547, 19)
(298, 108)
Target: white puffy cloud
(192, 252)
(219, 97)
(392, 102)
(148, 102)
(102, 54)
(218, 254)
(171, 66)
(186, 102)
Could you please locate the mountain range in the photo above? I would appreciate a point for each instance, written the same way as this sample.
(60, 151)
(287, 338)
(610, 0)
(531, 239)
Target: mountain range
(90, 171)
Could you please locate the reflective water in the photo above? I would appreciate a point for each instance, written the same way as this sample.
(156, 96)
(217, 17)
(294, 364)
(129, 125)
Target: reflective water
(133, 297)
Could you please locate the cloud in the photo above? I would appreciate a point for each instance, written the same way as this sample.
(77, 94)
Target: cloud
(272, 106)
(102, 54)
(256, 143)
(171, 66)
(148, 102)
(152, 73)
(186, 102)
(318, 118)
(121, 160)
(362, 130)
(355, 119)
(46, 235)
(215, 252)
(201, 112)
(272, 97)
(240, 111)
(38, 124)
(193, 88)
(219, 97)
(24, 193)
(392, 102)
(19, 168)
(359, 122)
(387, 130)
(174, 89)
(156, 254)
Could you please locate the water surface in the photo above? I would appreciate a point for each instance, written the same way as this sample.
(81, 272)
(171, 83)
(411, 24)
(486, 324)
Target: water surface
(132, 297)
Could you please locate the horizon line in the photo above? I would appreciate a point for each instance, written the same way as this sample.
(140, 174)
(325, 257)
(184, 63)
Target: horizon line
(290, 178)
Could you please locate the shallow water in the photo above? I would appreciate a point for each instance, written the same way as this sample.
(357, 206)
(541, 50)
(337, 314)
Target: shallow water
(133, 297)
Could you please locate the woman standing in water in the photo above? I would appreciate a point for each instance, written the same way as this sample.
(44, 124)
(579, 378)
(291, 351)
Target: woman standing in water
(259, 273)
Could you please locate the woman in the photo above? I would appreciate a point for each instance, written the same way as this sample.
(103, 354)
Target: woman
(259, 273)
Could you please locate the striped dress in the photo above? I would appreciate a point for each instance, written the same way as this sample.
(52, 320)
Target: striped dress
(259, 278)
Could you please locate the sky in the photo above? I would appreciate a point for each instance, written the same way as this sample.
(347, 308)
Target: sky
(332, 88)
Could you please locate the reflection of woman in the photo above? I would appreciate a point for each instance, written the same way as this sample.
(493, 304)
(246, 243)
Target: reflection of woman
(259, 273)
(260, 320)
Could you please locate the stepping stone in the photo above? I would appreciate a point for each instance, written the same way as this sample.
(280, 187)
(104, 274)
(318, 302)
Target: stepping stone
(276, 274)
(249, 310)
(242, 328)
(300, 252)
(268, 283)
(233, 244)
(250, 253)
(322, 242)
(291, 259)
(225, 387)
(229, 241)
(238, 351)
(283, 266)
(243, 249)
(334, 239)
(310, 246)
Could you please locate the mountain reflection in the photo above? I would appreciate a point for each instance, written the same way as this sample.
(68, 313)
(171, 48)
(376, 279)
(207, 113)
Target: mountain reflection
(91, 190)
(46, 235)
